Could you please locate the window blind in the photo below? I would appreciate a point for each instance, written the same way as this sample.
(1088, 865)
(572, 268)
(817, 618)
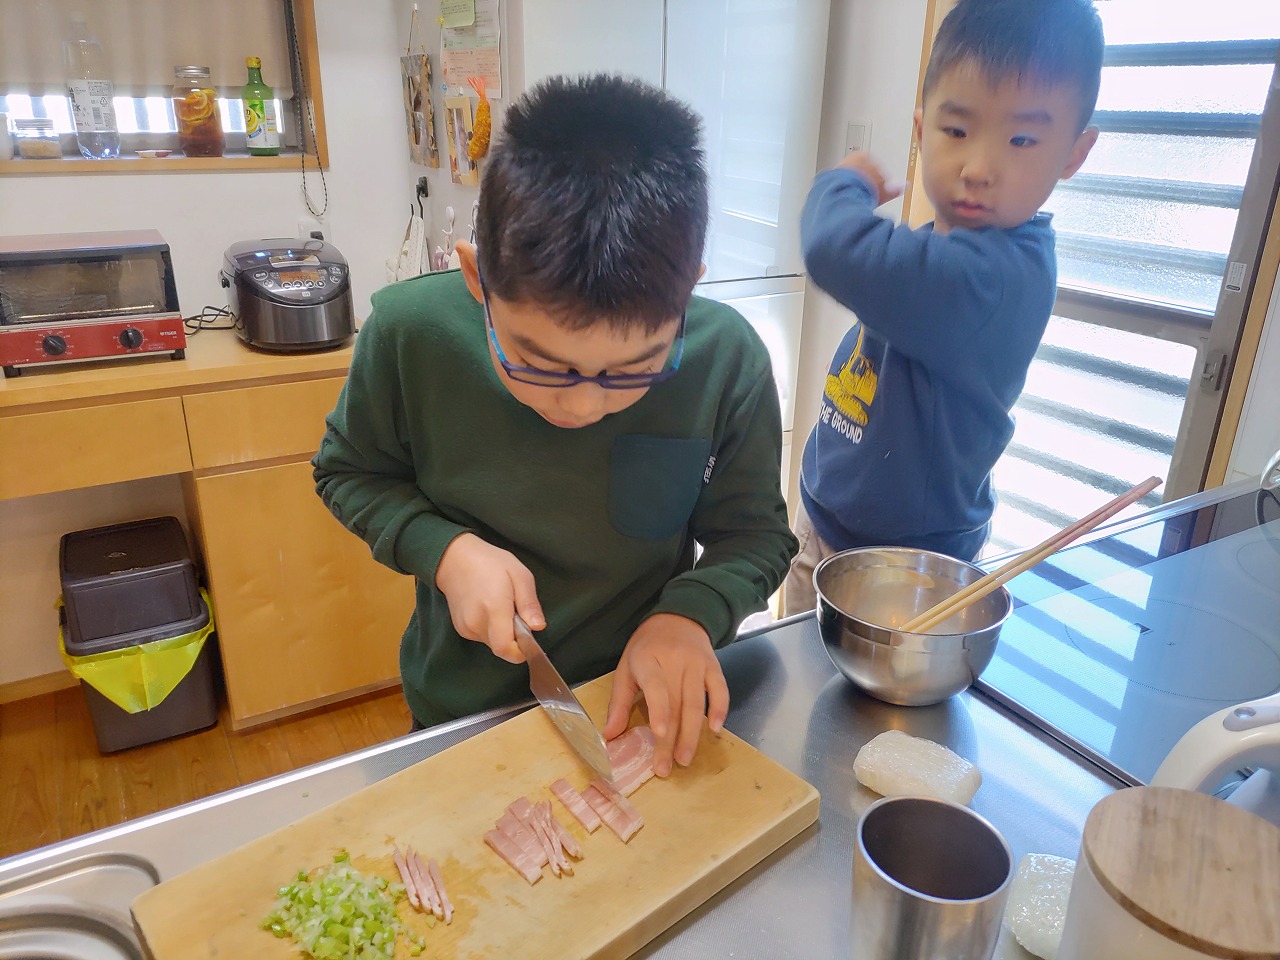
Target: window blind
(143, 40)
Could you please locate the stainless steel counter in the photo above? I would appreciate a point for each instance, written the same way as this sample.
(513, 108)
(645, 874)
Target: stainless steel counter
(788, 701)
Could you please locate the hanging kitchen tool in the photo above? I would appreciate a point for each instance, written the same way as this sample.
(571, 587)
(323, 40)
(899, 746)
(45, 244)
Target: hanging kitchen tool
(412, 260)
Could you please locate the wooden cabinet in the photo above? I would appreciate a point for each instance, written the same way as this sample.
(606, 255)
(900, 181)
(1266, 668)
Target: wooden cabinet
(305, 615)
(259, 423)
(68, 449)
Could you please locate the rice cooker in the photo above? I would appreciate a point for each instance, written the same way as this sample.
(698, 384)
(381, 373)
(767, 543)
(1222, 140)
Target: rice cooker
(289, 295)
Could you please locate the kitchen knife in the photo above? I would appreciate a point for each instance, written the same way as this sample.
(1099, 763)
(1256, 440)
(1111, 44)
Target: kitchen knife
(561, 705)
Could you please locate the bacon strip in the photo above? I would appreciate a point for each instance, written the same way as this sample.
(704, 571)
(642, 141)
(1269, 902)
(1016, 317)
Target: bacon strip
(560, 863)
(577, 806)
(624, 822)
(631, 759)
(555, 832)
(433, 870)
(523, 837)
(618, 800)
(511, 852)
(406, 877)
(567, 842)
(426, 889)
(523, 809)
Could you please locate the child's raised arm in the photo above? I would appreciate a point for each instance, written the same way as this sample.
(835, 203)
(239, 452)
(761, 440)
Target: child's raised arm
(928, 293)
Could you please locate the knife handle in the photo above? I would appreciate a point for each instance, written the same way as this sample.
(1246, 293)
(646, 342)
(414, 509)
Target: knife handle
(524, 637)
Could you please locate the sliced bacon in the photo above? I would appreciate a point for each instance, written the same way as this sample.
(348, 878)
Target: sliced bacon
(559, 862)
(523, 808)
(426, 889)
(577, 806)
(623, 821)
(514, 855)
(433, 870)
(555, 832)
(567, 841)
(631, 759)
(406, 877)
(617, 799)
(522, 835)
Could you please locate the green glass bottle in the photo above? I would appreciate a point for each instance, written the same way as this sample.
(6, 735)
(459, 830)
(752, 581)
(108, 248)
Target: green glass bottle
(261, 128)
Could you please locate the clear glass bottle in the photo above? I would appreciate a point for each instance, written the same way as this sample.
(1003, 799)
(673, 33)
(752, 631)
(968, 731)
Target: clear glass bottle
(195, 104)
(261, 127)
(91, 92)
(37, 140)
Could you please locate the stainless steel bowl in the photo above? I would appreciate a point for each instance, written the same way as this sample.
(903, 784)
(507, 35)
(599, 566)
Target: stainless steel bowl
(863, 594)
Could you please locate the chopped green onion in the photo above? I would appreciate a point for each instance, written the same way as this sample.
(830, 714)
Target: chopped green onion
(338, 913)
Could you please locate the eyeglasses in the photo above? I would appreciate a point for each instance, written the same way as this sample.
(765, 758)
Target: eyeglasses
(610, 381)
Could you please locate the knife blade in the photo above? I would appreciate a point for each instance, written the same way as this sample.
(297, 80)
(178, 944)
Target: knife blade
(561, 705)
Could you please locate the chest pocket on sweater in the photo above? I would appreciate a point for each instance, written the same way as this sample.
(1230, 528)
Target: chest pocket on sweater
(654, 483)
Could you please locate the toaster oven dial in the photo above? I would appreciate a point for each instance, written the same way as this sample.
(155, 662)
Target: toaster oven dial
(130, 338)
(53, 345)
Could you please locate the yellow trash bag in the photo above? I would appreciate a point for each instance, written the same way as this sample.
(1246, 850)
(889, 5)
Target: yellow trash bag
(138, 678)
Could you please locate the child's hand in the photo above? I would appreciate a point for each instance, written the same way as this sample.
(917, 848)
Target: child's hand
(863, 163)
(486, 587)
(670, 660)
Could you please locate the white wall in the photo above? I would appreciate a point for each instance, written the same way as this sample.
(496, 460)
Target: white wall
(873, 65)
(1258, 436)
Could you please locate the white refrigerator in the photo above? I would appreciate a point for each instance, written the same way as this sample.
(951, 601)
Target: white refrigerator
(754, 71)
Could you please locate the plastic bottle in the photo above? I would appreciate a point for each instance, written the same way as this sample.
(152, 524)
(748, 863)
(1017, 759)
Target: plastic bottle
(261, 127)
(91, 93)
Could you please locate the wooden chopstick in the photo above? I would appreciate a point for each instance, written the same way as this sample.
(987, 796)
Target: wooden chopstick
(1024, 561)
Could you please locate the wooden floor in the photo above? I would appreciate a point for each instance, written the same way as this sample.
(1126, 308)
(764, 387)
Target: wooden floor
(54, 784)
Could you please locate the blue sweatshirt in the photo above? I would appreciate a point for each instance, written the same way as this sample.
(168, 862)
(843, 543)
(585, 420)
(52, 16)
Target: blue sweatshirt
(916, 408)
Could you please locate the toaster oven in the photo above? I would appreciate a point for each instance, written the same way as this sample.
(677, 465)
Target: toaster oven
(87, 296)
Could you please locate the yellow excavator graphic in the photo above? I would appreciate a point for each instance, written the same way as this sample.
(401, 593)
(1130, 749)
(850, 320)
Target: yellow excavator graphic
(853, 389)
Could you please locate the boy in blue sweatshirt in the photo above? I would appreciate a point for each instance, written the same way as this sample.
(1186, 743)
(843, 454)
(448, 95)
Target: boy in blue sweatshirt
(916, 408)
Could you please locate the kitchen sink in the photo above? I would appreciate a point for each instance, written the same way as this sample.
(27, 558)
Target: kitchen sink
(76, 910)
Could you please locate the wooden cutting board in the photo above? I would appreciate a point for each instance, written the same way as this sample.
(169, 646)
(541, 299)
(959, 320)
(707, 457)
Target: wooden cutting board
(705, 825)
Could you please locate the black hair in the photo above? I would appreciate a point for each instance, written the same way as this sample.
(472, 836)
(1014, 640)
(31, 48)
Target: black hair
(1037, 41)
(594, 203)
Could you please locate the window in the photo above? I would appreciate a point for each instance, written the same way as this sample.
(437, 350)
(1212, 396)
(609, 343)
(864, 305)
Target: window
(142, 41)
(1176, 193)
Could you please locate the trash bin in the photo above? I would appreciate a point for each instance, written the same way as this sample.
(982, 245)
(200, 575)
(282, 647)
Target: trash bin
(146, 686)
(134, 631)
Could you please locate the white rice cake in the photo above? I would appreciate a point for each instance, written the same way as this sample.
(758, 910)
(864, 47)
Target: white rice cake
(1037, 903)
(896, 764)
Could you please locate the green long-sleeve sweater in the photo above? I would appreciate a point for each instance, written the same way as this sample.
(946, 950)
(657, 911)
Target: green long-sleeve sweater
(426, 443)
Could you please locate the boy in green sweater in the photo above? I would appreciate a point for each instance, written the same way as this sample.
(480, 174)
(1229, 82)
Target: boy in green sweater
(549, 431)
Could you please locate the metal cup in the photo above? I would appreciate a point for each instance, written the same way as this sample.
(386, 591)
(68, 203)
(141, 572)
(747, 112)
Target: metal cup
(930, 880)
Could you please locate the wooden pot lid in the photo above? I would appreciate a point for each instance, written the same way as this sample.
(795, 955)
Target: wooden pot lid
(1202, 872)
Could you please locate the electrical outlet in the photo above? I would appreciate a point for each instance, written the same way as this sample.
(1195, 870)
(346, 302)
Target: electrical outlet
(857, 136)
(310, 227)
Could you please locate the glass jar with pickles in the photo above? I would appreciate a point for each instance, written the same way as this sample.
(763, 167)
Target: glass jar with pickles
(195, 104)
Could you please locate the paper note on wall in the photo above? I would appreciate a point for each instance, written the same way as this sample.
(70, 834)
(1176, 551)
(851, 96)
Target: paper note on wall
(458, 13)
(474, 51)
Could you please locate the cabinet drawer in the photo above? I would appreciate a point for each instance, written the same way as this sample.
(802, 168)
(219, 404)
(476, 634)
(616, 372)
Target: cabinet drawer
(259, 423)
(70, 449)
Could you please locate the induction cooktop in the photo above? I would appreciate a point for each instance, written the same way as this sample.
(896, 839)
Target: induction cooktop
(1118, 645)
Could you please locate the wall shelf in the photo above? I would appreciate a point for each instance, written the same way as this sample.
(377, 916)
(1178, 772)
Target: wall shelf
(171, 164)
